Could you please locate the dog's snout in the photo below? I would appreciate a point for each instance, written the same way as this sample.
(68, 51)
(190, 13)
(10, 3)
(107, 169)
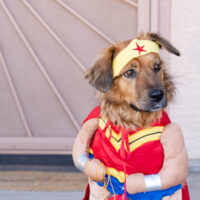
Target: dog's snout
(156, 95)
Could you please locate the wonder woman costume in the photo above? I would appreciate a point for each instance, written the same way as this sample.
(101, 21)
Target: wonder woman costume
(126, 152)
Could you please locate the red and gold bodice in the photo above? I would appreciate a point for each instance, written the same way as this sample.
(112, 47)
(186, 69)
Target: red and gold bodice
(142, 150)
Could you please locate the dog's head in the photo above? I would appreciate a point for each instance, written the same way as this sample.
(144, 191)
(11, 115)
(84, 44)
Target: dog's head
(142, 83)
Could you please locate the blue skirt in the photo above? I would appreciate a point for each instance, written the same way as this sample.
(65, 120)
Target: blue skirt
(118, 188)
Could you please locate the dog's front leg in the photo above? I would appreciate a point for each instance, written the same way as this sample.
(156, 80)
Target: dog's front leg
(93, 168)
(175, 166)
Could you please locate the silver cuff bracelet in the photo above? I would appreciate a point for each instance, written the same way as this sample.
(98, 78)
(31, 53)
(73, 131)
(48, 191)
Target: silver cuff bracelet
(81, 162)
(152, 182)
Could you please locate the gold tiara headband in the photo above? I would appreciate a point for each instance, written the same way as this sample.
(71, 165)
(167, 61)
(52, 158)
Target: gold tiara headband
(135, 49)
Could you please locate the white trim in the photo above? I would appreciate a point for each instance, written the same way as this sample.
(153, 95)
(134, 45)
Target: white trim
(143, 21)
(154, 15)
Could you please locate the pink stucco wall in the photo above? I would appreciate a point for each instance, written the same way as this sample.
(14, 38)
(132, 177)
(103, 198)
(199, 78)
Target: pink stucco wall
(185, 34)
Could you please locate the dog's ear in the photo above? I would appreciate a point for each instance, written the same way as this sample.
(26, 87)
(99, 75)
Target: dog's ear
(164, 43)
(100, 75)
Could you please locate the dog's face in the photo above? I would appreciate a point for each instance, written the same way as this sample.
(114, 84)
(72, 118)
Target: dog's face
(143, 83)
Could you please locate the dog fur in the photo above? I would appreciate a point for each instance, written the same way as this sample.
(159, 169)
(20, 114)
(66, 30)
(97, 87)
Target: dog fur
(117, 95)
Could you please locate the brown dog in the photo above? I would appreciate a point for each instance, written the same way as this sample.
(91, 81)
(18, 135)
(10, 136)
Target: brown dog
(134, 98)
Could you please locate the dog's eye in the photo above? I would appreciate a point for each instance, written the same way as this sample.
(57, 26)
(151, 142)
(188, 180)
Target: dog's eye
(156, 67)
(130, 73)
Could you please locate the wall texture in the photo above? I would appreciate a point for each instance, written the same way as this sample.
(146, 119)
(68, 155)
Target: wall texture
(185, 34)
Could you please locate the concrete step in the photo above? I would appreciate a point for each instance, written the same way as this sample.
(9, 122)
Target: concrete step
(32, 195)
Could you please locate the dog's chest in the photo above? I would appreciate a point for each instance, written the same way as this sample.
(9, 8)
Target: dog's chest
(144, 153)
(135, 138)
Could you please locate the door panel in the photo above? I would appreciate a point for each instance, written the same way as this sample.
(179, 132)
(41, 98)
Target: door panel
(45, 48)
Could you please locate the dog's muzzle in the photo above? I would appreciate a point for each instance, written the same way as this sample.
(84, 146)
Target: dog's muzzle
(156, 95)
(157, 100)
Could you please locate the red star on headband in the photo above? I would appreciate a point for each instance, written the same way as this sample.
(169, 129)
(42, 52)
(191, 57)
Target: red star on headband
(139, 49)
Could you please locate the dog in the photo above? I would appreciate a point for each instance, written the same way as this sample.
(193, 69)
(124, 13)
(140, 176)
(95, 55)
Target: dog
(133, 92)
(143, 85)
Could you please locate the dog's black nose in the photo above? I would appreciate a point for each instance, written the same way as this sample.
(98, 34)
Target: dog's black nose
(156, 95)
